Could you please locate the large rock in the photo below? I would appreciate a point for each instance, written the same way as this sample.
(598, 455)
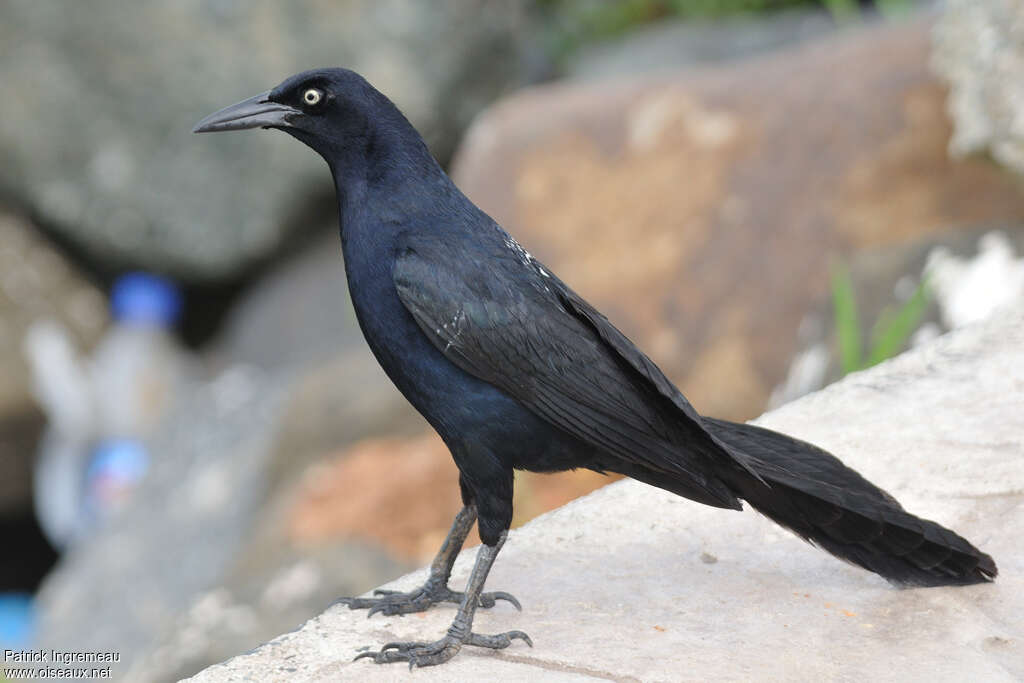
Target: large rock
(202, 548)
(979, 50)
(297, 315)
(411, 511)
(632, 583)
(701, 210)
(95, 135)
(180, 531)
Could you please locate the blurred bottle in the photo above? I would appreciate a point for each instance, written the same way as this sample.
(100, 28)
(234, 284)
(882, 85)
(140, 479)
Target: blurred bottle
(103, 411)
(136, 366)
(115, 467)
(61, 384)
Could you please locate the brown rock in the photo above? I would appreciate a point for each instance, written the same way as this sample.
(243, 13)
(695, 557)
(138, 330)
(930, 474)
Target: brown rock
(403, 494)
(701, 211)
(36, 283)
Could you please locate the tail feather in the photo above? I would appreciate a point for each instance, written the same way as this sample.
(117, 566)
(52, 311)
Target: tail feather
(815, 495)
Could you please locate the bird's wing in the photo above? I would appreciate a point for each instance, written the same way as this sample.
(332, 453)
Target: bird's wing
(504, 319)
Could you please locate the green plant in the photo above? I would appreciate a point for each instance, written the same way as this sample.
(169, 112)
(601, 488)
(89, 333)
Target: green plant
(889, 334)
(573, 23)
(841, 10)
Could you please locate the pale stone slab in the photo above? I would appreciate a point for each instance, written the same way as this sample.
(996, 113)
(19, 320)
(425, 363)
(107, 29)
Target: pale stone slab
(632, 583)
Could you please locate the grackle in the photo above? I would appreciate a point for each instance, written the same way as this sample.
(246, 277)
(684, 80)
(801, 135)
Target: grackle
(516, 371)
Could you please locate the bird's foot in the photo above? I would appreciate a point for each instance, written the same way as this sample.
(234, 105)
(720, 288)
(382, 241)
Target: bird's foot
(439, 652)
(391, 603)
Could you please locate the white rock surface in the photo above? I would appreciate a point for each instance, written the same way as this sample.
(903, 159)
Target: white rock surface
(632, 583)
(978, 47)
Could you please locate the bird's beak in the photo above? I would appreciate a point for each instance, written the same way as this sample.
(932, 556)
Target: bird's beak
(255, 112)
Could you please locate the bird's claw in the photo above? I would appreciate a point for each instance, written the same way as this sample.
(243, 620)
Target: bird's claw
(498, 641)
(488, 600)
(418, 653)
(392, 602)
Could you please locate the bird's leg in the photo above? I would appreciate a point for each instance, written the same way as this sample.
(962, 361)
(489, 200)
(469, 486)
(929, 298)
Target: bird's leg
(435, 589)
(461, 631)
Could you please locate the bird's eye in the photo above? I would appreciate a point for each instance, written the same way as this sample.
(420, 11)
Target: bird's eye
(312, 96)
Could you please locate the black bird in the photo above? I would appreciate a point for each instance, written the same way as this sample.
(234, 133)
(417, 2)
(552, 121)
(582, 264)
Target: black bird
(516, 371)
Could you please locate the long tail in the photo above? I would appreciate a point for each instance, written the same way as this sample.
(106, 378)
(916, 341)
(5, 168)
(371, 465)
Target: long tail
(816, 496)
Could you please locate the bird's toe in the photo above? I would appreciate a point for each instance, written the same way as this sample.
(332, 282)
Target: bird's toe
(488, 600)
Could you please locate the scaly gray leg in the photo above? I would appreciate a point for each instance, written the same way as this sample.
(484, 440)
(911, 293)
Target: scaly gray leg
(461, 631)
(436, 589)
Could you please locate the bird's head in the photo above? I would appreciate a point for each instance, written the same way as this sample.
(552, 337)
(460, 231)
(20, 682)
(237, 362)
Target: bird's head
(334, 111)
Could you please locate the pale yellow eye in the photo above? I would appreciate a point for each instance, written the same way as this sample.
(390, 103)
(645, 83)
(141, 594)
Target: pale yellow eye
(312, 96)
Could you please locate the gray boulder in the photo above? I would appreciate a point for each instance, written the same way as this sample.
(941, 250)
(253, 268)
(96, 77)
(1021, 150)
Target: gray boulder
(201, 563)
(101, 98)
(296, 315)
(177, 536)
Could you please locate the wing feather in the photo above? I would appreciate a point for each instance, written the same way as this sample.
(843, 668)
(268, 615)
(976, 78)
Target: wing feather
(531, 336)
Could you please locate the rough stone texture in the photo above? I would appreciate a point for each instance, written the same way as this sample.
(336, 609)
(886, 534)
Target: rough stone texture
(701, 210)
(979, 49)
(101, 98)
(632, 583)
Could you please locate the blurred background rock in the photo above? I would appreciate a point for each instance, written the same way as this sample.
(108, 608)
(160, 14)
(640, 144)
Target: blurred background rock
(753, 190)
(93, 141)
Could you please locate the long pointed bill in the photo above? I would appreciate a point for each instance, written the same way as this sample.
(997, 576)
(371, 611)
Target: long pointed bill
(255, 112)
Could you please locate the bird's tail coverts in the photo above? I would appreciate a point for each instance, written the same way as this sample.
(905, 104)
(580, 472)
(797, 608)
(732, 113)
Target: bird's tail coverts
(816, 496)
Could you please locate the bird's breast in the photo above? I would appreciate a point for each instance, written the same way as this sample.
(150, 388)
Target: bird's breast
(435, 386)
(460, 406)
